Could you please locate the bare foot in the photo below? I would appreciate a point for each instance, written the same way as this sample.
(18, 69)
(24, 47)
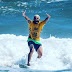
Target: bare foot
(28, 64)
(38, 57)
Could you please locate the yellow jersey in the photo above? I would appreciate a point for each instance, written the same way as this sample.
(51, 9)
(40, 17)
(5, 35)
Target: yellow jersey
(35, 30)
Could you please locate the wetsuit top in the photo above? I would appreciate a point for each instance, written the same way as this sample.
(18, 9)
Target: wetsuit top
(35, 30)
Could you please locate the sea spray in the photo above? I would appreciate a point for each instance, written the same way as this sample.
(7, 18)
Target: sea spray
(57, 52)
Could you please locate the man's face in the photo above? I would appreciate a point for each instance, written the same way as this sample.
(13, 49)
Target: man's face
(36, 19)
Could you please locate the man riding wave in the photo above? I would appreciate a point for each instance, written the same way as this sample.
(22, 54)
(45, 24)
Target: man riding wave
(35, 28)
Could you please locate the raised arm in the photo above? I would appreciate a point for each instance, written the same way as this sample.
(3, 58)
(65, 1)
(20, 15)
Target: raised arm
(48, 17)
(28, 20)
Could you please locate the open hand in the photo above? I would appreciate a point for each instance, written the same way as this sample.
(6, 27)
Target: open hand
(48, 15)
(24, 13)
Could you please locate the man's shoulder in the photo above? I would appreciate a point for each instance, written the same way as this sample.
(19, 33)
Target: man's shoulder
(30, 22)
(41, 22)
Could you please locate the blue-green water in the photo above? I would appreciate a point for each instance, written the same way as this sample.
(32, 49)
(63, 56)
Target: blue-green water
(60, 24)
(29, 70)
(57, 48)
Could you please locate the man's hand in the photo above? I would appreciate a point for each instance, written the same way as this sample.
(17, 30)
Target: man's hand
(48, 15)
(28, 20)
(47, 18)
(24, 13)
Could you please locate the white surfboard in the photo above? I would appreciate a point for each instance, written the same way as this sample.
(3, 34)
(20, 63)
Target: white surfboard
(23, 66)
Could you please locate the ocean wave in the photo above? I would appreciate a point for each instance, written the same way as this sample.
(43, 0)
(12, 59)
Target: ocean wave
(30, 0)
(57, 52)
(16, 7)
(12, 48)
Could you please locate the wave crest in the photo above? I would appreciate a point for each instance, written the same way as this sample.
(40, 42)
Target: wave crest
(57, 53)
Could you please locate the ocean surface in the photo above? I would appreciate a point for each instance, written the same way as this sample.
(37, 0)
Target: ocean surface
(56, 36)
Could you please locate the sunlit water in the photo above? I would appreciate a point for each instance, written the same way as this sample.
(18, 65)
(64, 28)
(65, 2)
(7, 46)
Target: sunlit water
(56, 36)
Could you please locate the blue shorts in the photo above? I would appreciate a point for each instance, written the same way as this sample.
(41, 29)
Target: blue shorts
(36, 46)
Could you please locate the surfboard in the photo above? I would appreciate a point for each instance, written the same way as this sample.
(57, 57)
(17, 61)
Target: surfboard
(23, 66)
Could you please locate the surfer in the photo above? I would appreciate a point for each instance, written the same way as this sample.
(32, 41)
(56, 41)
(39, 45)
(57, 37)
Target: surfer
(35, 28)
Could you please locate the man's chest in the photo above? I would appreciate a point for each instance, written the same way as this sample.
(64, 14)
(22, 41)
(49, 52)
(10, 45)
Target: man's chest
(35, 28)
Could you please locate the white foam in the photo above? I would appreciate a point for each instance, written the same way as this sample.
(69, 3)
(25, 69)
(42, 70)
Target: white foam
(60, 0)
(21, 3)
(12, 48)
(57, 52)
(55, 1)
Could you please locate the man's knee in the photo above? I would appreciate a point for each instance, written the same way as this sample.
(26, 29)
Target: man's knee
(39, 51)
(31, 48)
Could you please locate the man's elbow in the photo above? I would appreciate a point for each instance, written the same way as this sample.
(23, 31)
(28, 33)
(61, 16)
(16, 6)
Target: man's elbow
(29, 21)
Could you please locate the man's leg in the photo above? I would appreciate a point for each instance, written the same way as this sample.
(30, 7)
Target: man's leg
(39, 51)
(30, 53)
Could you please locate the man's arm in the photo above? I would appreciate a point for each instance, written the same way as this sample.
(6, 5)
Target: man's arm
(28, 20)
(47, 18)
